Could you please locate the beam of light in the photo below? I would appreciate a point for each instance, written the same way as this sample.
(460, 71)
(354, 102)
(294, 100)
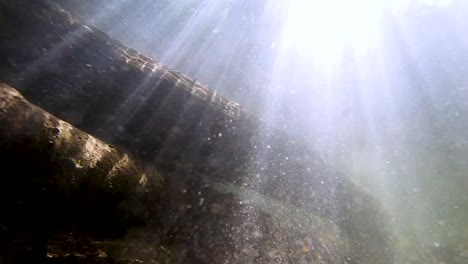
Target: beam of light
(347, 73)
(323, 27)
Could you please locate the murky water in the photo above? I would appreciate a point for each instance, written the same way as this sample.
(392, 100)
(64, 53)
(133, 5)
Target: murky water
(378, 90)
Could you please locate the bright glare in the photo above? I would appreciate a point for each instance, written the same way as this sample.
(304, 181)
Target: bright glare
(326, 26)
(321, 28)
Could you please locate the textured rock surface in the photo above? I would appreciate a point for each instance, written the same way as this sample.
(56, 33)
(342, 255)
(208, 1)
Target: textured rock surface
(75, 189)
(159, 115)
(57, 177)
(173, 122)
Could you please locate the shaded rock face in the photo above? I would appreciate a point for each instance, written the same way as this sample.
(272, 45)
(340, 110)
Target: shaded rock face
(59, 178)
(122, 96)
(116, 93)
(138, 104)
(230, 180)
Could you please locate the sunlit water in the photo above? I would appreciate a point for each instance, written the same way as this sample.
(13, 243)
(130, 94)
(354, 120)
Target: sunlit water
(378, 88)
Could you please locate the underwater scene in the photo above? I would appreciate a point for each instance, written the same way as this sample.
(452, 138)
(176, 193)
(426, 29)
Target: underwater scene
(234, 131)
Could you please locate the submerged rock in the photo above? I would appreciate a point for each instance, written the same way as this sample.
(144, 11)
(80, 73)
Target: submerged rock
(234, 189)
